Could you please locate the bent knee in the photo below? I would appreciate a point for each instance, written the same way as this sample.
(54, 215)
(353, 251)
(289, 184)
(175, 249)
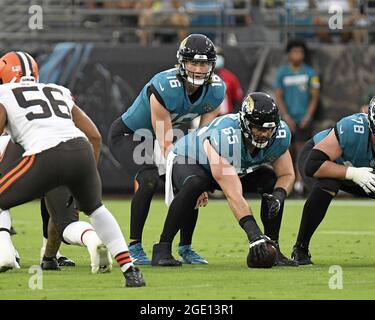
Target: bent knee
(196, 184)
(148, 180)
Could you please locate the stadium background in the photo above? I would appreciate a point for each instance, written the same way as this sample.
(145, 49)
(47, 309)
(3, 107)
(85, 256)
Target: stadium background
(94, 49)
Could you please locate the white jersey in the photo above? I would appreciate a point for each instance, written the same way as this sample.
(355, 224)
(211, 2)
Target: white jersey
(38, 115)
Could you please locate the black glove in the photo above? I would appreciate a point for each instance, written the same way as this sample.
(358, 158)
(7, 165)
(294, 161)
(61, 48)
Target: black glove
(274, 201)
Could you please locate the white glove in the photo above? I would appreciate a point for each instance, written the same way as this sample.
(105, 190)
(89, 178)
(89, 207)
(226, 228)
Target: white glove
(363, 177)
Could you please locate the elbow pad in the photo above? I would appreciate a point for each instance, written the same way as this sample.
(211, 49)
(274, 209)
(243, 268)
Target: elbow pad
(314, 161)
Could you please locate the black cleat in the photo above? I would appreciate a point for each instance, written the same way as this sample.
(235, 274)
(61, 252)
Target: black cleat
(65, 262)
(49, 264)
(162, 256)
(133, 278)
(301, 255)
(283, 261)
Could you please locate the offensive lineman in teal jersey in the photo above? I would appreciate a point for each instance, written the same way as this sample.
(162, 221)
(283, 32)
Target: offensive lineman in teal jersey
(169, 99)
(342, 158)
(244, 152)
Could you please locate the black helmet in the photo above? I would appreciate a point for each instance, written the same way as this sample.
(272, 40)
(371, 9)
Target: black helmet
(371, 115)
(259, 110)
(196, 47)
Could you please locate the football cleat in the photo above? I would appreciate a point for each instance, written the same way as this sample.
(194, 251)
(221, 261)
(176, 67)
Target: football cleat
(101, 260)
(133, 277)
(301, 255)
(161, 256)
(50, 264)
(65, 262)
(138, 255)
(18, 259)
(189, 256)
(8, 265)
(283, 261)
(9, 258)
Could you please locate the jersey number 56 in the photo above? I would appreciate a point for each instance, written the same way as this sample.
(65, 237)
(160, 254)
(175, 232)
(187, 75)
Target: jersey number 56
(46, 108)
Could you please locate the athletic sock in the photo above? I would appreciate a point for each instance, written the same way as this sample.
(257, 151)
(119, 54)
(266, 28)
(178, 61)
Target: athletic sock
(314, 211)
(110, 233)
(271, 225)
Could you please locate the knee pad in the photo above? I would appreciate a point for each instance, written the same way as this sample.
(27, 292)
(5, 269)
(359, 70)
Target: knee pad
(315, 161)
(148, 179)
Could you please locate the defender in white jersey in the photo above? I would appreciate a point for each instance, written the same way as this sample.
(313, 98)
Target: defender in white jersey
(44, 120)
(9, 152)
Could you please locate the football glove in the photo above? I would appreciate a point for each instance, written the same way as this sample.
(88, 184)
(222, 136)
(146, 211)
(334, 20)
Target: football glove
(258, 250)
(363, 177)
(274, 201)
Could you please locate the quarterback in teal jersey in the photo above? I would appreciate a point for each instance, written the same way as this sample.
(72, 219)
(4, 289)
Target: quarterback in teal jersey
(237, 153)
(342, 158)
(172, 97)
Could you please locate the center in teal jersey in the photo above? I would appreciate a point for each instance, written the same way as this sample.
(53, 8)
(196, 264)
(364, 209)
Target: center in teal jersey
(171, 93)
(225, 136)
(354, 137)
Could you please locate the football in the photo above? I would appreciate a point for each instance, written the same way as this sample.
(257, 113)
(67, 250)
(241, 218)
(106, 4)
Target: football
(267, 262)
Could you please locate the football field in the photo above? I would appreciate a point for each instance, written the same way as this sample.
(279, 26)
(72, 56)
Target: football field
(342, 250)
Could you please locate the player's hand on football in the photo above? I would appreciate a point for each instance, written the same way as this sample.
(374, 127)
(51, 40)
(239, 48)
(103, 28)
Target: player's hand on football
(258, 248)
(363, 176)
(273, 204)
(202, 200)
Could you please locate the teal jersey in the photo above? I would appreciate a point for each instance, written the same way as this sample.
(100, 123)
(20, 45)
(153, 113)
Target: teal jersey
(175, 99)
(296, 86)
(225, 135)
(354, 138)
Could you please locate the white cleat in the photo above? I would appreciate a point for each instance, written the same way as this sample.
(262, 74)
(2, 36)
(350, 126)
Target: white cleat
(101, 260)
(8, 260)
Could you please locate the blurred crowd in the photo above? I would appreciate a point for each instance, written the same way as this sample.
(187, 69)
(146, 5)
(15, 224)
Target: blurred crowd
(160, 21)
(358, 15)
(169, 20)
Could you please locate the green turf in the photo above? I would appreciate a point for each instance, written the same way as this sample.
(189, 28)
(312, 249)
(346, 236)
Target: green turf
(345, 238)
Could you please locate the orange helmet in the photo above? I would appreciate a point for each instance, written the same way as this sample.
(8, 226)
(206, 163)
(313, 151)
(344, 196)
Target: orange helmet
(16, 66)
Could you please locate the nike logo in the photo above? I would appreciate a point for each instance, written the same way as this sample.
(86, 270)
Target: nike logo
(161, 87)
